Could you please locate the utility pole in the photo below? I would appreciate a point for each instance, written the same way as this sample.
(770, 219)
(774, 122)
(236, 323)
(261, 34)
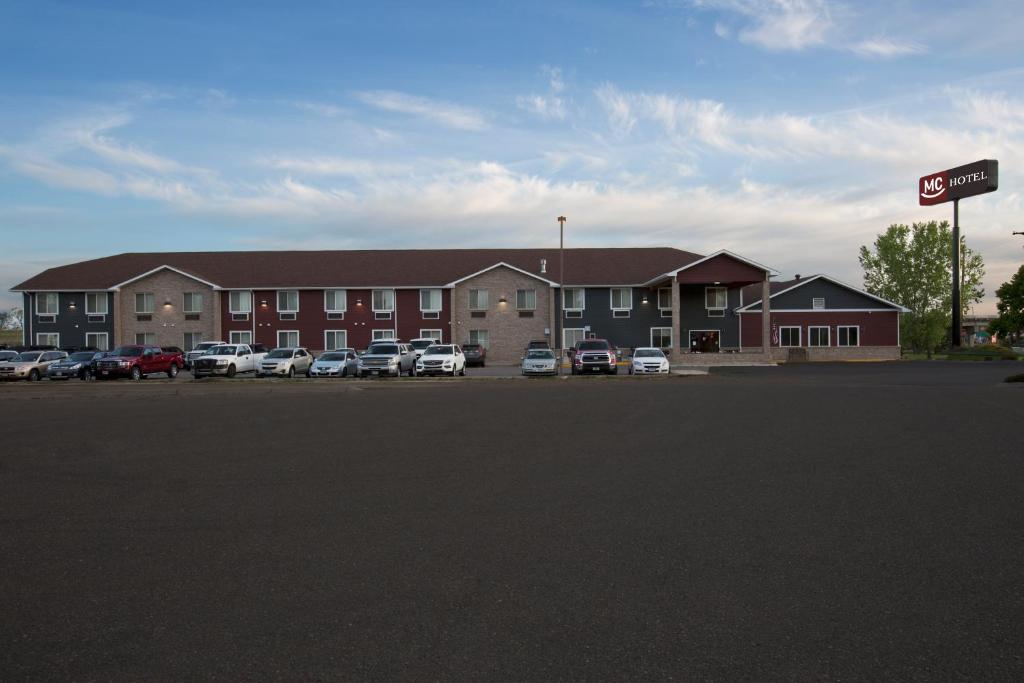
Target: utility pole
(957, 323)
(561, 289)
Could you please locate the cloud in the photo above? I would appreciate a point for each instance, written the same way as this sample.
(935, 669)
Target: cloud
(885, 48)
(777, 24)
(721, 30)
(548, 107)
(337, 166)
(321, 108)
(445, 113)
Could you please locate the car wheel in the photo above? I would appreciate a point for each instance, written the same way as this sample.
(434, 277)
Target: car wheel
(412, 371)
(462, 372)
(231, 371)
(173, 371)
(291, 372)
(33, 376)
(631, 369)
(136, 374)
(86, 376)
(344, 372)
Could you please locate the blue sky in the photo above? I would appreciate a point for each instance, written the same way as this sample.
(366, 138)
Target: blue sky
(791, 131)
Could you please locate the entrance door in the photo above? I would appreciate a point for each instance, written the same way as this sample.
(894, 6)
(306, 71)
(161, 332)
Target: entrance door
(704, 341)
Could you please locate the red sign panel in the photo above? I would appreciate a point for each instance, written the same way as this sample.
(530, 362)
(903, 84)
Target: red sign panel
(957, 183)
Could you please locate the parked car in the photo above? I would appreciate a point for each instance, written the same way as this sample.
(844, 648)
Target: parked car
(199, 350)
(340, 363)
(538, 344)
(540, 362)
(78, 364)
(648, 360)
(96, 357)
(30, 365)
(286, 362)
(420, 345)
(7, 354)
(475, 354)
(388, 358)
(229, 360)
(442, 359)
(137, 361)
(593, 355)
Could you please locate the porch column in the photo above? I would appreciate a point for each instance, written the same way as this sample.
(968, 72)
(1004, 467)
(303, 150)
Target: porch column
(766, 317)
(552, 330)
(218, 325)
(117, 329)
(677, 342)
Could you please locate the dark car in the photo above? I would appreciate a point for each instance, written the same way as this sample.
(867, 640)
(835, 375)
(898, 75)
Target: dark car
(475, 354)
(593, 355)
(78, 364)
(537, 344)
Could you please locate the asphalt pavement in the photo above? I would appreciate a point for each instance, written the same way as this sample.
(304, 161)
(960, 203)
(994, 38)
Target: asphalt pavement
(817, 522)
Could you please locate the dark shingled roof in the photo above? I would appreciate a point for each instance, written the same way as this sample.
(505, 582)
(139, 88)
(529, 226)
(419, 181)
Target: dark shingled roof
(362, 268)
(752, 293)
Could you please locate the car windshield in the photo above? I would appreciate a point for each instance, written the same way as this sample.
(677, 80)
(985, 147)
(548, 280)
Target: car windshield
(280, 353)
(470, 347)
(438, 351)
(202, 346)
(221, 351)
(594, 346)
(81, 355)
(128, 351)
(28, 356)
(540, 353)
(648, 353)
(332, 356)
(422, 343)
(383, 349)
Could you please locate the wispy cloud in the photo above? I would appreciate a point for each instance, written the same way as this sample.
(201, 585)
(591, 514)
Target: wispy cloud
(777, 24)
(321, 108)
(886, 48)
(445, 113)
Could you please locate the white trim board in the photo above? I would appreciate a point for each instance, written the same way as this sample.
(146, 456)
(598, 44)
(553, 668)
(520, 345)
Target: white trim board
(498, 265)
(834, 281)
(720, 252)
(157, 270)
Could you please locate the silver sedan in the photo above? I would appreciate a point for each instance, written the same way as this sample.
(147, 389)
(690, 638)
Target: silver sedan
(540, 362)
(341, 363)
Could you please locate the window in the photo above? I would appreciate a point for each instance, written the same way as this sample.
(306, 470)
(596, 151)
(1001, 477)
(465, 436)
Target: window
(287, 337)
(240, 337)
(240, 302)
(288, 301)
(526, 299)
(335, 339)
(192, 340)
(431, 334)
(146, 338)
(573, 299)
(430, 300)
(192, 302)
(383, 334)
(383, 300)
(818, 336)
(47, 303)
(818, 302)
(48, 339)
(661, 337)
(716, 298)
(789, 336)
(479, 337)
(335, 301)
(95, 303)
(571, 335)
(848, 335)
(98, 340)
(478, 300)
(622, 298)
(144, 302)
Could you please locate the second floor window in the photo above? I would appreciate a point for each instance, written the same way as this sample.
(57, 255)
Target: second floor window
(335, 300)
(526, 299)
(572, 299)
(622, 298)
(288, 301)
(716, 298)
(383, 300)
(46, 303)
(193, 302)
(144, 302)
(430, 300)
(96, 303)
(240, 302)
(665, 297)
(478, 300)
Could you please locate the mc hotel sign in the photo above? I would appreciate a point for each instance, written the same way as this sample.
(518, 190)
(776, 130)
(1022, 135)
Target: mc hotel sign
(952, 186)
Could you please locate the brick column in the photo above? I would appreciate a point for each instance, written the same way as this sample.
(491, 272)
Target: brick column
(766, 317)
(677, 341)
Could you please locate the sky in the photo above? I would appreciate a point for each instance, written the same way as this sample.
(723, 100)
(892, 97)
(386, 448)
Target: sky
(788, 131)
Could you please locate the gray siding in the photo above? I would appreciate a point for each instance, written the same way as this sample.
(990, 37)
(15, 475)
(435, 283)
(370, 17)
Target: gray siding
(836, 297)
(694, 316)
(71, 325)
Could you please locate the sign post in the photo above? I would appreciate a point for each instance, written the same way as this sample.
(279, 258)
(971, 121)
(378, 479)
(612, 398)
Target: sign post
(953, 185)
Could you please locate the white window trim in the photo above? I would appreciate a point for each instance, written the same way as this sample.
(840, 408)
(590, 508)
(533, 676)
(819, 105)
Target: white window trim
(231, 309)
(469, 298)
(572, 329)
(664, 289)
(424, 334)
(100, 296)
(814, 303)
(611, 303)
(344, 297)
(47, 334)
(106, 340)
(486, 343)
(231, 339)
(799, 336)
(193, 294)
(44, 294)
(328, 347)
(373, 301)
(144, 335)
(583, 299)
(440, 300)
(828, 330)
(716, 308)
(144, 294)
(847, 327)
(375, 337)
(278, 302)
(650, 338)
(526, 308)
(298, 340)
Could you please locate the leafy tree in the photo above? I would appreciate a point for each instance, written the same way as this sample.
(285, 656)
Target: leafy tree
(1010, 323)
(913, 266)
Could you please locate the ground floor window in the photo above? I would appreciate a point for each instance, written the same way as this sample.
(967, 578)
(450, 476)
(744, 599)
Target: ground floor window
(287, 338)
(818, 336)
(661, 337)
(479, 337)
(48, 339)
(335, 339)
(848, 335)
(192, 340)
(571, 335)
(431, 334)
(240, 337)
(705, 341)
(98, 340)
(147, 338)
(789, 336)
(383, 334)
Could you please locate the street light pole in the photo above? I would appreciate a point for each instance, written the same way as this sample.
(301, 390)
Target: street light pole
(561, 288)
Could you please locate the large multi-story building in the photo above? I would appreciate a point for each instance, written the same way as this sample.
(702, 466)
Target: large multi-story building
(501, 298)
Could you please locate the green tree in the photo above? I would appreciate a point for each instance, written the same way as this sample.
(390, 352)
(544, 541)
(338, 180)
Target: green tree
(913, 266)
(1010, 295)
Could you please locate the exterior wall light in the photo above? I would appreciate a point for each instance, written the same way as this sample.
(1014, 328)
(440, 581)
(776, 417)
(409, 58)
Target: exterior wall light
(72, 306)
(263, 304)
(644, 300)
(167, 304)
(502, 300)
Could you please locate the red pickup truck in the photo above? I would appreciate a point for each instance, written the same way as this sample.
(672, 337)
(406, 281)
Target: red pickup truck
(137, 361)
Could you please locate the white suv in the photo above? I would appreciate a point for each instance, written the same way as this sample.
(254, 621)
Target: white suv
(420, 345)
(286, 362)
(442, 359)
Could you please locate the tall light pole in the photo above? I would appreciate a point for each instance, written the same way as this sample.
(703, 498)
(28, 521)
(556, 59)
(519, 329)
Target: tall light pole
(561, 288)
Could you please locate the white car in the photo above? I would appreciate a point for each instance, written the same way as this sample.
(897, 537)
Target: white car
(540, 362)
(420, 345)
(229, 360)
(442, 359)
(648, 360)
(340, 363)
(286, 362)
(200, 349)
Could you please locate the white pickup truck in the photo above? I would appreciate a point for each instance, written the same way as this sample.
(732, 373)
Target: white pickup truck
(229, 360)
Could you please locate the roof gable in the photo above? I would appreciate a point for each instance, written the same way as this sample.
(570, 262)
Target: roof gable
(799, 295)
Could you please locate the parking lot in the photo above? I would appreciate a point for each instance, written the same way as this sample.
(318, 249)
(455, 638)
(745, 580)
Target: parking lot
(814, 522)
